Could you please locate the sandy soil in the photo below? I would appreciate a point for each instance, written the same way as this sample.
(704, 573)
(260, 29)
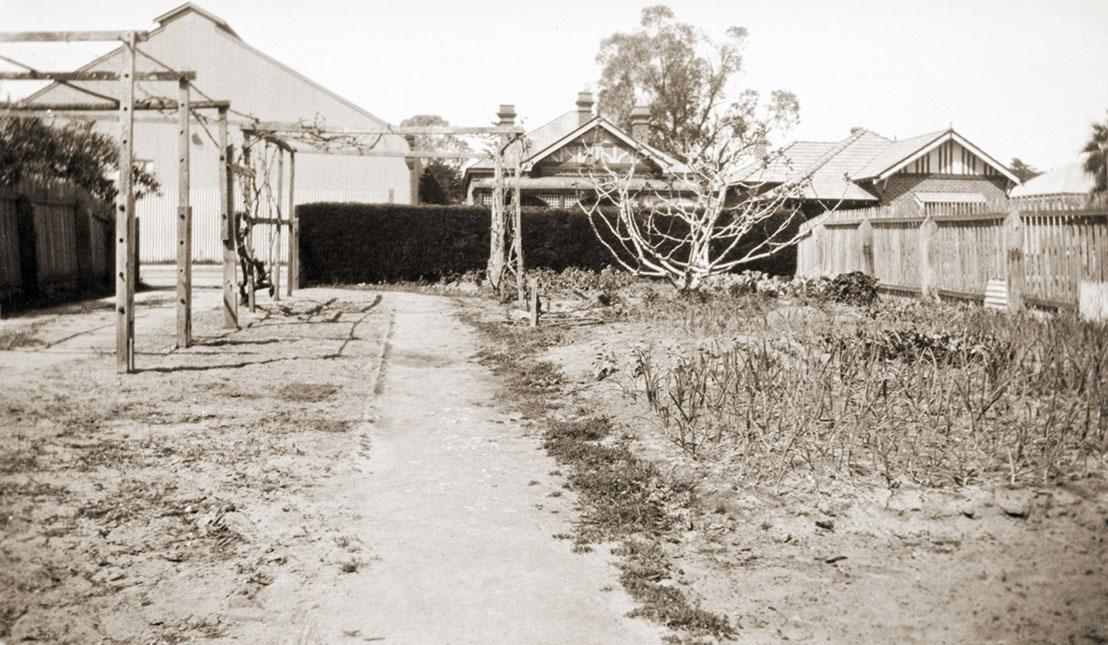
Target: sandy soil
(857, 561)
(337, 471)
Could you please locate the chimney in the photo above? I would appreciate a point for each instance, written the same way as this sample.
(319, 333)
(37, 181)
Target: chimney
(640, 124)
(584, 107)
(507, 116)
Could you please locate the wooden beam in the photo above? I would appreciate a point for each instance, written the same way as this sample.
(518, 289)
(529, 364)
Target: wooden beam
(93, 76)
(226, 227)
(148, 104)
(184, 221)
(395, 154)
(124, 216)
(72, 36)
(294, 230)
(292, 127)
(279, 233)
(415, 166)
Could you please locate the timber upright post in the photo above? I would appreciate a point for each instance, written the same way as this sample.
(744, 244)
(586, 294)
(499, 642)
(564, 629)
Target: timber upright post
(294, 230)
(517, 226)
(865, 232)
(927, 230)
(416, 166)
(497, 261)
(1013, 246)
(124, 215)
(184, 221)
(280, 223)
(227, 227)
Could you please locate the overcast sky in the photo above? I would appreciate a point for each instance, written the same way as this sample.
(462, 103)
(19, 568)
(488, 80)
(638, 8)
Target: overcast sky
(1018, 77)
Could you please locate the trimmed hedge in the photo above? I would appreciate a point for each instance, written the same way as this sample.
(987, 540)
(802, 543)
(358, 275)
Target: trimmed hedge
(391, 242)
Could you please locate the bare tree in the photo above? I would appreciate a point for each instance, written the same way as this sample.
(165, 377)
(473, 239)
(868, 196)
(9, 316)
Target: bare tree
(709, 214)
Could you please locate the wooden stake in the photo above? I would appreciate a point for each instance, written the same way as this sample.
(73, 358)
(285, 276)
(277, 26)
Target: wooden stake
(534, 303)
(125, 204)
(294, 230)
(184, 221)
(227, 227)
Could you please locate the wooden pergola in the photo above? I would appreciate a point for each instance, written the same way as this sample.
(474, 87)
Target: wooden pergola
(293, 138)
(290, 138)
(126, 251)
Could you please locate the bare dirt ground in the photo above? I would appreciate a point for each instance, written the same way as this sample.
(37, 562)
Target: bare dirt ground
(340, 470)
(858, 561)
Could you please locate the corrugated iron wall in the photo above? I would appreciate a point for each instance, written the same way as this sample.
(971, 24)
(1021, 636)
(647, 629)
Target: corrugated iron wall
(158, 242)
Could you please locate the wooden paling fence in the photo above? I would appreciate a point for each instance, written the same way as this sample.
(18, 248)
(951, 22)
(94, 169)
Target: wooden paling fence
(55, 241)
(1040, 251)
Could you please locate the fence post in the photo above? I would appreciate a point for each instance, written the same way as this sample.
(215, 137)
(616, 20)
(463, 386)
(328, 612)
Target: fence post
(1013, 242)
(819, 254)
(927, 230)
(865, 233)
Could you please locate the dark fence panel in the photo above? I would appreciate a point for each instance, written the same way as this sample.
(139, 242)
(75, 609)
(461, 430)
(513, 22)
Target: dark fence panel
(55, 245)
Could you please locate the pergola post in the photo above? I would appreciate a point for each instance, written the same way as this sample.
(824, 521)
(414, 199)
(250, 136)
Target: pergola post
(415, 164)
(184, 221)
(497, 262)
(227, 227)
(294, 230)
(124, 215)
(517, 227)
(280, 223)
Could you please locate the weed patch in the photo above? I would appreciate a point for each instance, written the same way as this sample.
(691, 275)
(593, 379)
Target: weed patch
(623, 498)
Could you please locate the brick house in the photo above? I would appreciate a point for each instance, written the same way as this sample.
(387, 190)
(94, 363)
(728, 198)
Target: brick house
(556, 156)
(938, 171)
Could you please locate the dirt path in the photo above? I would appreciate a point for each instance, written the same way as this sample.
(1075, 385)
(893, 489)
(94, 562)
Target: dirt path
(458, 513)
(258, 488)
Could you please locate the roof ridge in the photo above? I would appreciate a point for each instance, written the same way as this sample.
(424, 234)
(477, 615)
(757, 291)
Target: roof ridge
(822, 160)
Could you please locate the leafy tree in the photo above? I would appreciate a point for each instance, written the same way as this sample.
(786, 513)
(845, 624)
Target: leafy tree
(441, 181)
(74, 152)
(1023, 170)
(685, 77)
(1096, 156)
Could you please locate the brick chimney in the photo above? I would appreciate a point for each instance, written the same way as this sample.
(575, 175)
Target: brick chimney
(584, 107)
(507, 116)
(640, 124)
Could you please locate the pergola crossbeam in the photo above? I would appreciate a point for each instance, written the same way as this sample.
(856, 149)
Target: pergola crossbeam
(307, 128)
(396, 154)
(147, 104)
(60, 77)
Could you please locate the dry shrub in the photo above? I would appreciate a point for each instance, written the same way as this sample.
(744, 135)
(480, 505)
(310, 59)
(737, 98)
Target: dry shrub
(937, 395)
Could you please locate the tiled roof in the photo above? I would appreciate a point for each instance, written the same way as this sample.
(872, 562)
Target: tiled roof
(892, 154)
(1070, 179)
(540, 137)
(826, 164)
(832, 174)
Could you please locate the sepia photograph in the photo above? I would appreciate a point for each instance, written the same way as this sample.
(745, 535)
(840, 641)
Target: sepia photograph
(644, 321)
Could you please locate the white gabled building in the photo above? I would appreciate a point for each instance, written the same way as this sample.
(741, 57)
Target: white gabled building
(227, 68)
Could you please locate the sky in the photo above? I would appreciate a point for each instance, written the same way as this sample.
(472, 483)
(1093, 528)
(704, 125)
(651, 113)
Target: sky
(1020, 78)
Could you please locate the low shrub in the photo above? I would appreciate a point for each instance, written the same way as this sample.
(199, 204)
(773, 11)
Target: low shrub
(854, 288)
